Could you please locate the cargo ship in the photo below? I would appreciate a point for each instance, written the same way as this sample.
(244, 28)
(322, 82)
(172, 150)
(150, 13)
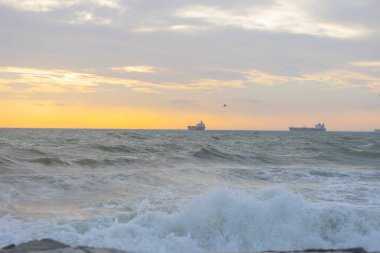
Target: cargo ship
(199, 126)
(318, 128)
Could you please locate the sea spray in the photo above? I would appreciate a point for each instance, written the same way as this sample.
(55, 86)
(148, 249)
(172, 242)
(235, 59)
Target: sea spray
(219, 220)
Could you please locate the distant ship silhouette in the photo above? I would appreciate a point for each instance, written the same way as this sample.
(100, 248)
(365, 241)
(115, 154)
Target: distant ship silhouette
(199, 126)
(318, 127)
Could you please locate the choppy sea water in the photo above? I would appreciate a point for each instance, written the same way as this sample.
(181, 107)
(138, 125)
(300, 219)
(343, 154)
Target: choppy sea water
(190, 191)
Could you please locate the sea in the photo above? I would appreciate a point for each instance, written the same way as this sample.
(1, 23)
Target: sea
(167, 191)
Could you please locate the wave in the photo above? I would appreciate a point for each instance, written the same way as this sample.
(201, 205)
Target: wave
(220, 220)
(128, 135)
(49, 161)
(116, 148)
(116, 161)
(215, 154)
(6, 161)
(359, 153)
(30, 151)
(5, 145)
(250, 174)
(87, 147)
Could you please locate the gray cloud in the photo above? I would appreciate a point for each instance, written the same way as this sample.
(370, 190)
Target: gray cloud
(186, 48)
(184, 103)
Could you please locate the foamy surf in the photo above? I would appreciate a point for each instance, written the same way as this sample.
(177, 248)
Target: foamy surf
(219, 220)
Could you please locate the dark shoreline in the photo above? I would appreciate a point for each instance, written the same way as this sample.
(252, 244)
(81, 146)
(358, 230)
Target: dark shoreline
(49, 245)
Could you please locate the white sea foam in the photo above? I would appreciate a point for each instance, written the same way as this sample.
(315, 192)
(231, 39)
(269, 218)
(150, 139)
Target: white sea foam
(220, 220)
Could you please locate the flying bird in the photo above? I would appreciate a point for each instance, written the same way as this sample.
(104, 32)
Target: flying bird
(226, 105)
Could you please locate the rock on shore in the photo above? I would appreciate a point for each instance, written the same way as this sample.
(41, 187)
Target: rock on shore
(51, 246)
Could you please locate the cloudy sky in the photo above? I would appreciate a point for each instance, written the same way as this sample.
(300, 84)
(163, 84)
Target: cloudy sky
(167, 63)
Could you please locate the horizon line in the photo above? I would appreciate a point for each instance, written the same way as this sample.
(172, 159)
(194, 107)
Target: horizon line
(172, 129)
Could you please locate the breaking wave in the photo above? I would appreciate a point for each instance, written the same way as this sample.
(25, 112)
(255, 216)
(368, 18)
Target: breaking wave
(220, 220)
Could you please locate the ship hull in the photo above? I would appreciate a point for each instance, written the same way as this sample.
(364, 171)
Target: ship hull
(306, 129)
(195, 128)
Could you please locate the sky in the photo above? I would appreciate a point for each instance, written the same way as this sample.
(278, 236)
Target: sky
(165, 64)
